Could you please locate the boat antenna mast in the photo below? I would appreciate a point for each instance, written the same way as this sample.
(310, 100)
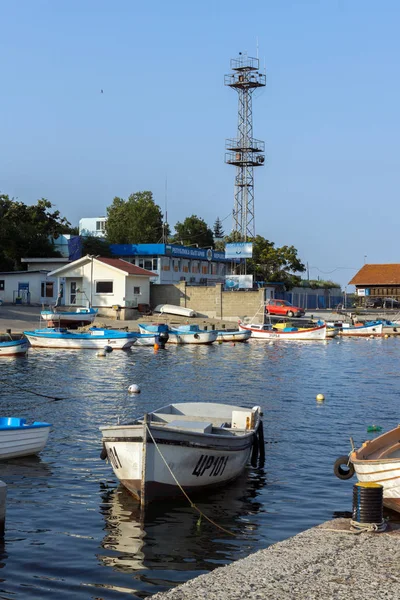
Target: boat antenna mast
(244, 152)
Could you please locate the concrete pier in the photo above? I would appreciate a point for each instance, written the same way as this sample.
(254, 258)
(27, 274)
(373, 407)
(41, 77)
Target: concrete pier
(3, 497)
(326, 562)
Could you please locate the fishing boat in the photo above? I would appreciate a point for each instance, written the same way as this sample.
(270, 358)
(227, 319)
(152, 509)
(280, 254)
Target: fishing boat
(267, 331)
(94, 338)
(18, 438)
(72, 319)
(377, 461)
(159, 332)
(372, 328)
(172, 309)
(13, 344)
(196, 446)
(191, 334)
(151, 338)
(226, 335)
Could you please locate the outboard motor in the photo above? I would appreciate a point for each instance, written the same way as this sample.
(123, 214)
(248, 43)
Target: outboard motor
(163, 338)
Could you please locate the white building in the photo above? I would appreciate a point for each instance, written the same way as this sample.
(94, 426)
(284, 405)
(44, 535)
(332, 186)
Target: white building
(95, 226)
(104, 283)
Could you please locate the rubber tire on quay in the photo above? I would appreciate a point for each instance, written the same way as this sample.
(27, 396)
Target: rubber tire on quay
(343, 473)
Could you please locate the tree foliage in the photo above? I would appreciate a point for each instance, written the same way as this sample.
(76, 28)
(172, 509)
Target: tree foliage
(26, 231)
(96, 246)
(192, 231)
(137, 220)
(218, 230)
(275, 264)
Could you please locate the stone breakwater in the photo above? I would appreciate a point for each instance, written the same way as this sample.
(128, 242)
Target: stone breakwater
(326, 562)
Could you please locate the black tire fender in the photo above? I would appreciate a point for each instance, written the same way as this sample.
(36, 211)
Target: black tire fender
(103, 453)
(343, 468)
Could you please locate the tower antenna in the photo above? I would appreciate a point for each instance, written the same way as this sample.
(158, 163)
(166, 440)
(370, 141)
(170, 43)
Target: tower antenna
(244, 152)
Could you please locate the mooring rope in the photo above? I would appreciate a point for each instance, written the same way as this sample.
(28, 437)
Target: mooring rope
(183, 491)
(17, 387)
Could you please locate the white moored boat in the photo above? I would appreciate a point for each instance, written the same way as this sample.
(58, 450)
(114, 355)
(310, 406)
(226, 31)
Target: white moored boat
(76, 318)
(17, 438)
(13, 344)
(361, 330)
(377, 461)
(224, 335)
(200, 445)
(268, 332)
(191, 334)
(93, 339)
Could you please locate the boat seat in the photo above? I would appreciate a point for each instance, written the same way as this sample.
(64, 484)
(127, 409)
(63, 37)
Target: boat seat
(169, 417)
(388, 452)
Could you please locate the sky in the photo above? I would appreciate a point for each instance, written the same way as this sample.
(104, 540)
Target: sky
(329, 115)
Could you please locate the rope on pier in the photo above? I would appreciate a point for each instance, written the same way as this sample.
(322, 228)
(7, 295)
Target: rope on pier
(183, 491)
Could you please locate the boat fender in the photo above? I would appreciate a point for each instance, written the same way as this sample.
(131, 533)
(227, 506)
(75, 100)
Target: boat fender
(254, 451)
(196, 336)
(343, 468)
(261, 444)
(103, 453)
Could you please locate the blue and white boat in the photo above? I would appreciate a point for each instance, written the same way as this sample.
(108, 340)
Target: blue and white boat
(224, 335)
(152, 333)
(184, 334)
(63, 318)
(94, 339)
(12, 344)
(18, 438)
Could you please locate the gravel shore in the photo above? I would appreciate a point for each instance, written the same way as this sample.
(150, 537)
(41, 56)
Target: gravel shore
(323, 563)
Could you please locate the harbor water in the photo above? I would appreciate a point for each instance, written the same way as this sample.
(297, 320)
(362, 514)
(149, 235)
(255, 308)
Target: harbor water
(73, 532)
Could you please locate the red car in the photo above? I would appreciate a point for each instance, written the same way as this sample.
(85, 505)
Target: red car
(283, 307)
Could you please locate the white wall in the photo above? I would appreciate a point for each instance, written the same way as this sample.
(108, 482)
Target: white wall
(11, 281)
(87, 226)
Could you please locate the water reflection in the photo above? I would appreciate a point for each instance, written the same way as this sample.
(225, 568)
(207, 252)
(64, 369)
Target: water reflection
(170, 536)
(27, 469)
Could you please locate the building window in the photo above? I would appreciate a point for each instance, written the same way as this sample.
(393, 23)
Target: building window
(155, 265)
(47, 289)
(104, 287)
(136, 290)
(148, 264)
(141, 263)
(2, 285)
(100, 225)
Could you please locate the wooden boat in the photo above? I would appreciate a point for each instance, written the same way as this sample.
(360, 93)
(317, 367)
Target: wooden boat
(200, 445)
(225, 335)
(95, 338)
(270, 332)
(377, 461)
(76, 318)
(331, 332)
(191, 334)
(13, 344)
(172, 309)
(18, 438)
(373, 328)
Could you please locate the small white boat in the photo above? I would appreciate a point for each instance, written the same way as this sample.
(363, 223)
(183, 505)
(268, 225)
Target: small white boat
(13, 344)
(172, 309)
(191, 334)
(76, 318)
(18, 438)
(224, 335)
(377, 461)
(361, 330)
(159, 332)
(269, 332)
(200, 445)
(94, 339)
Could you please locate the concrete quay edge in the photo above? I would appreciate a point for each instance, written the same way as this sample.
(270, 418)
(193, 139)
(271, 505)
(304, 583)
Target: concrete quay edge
(324, 562)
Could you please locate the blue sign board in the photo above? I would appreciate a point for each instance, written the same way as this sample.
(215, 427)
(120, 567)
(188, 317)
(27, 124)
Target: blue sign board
(166, 250)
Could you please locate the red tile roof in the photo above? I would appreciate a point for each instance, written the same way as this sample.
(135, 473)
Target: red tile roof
(124, 265)
(387, 274)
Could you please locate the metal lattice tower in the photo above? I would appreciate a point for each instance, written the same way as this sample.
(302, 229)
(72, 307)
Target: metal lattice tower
(244, 152)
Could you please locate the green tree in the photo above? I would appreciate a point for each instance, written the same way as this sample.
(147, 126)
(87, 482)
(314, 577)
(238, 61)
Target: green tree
(218, 231)
(274, 264)
(137, 220)
(96, 246)
(26, 231)
(193, 231)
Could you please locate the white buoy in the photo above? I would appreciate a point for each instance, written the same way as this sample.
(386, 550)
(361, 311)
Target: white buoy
(134, 389)
(320, 398)
(101, 353)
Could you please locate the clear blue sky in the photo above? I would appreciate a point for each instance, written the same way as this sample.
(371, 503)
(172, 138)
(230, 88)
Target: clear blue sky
(329, 115)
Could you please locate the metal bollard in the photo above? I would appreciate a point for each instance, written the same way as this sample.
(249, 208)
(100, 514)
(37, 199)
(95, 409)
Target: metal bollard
(3, 495)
